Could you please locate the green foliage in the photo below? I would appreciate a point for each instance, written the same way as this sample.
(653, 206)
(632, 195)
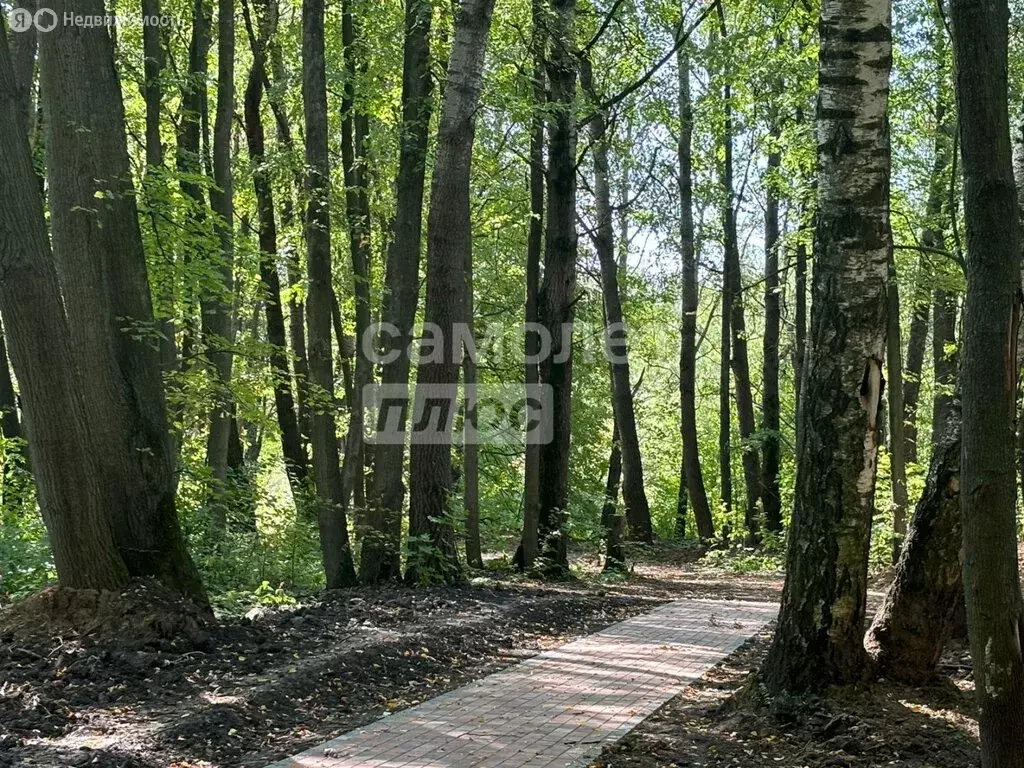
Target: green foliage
(25, 561)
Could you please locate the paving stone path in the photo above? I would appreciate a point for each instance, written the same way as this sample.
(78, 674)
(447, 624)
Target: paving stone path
(557, 708)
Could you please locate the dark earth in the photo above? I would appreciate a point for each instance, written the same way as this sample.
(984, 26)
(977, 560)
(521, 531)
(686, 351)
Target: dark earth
(129, 685)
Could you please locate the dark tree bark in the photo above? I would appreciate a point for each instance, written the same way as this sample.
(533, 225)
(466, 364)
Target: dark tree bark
(154, 59)
(556, 301)
(23, 47)
(192, 156)
(381, 551)
(331, 517)
(357, 211)
(529, 547)
(738, 357)
(800, 331)
(217, 309)
(152, 93)
(944, 358)
(611, 520)
(912, 626)
(449, 249)
(769, 490)
(995, 614)
(931, 237)
(638, 512)
(725, 405)
(470, 445)
(293, 265)
(295, 459)
(917, 339)
(95, 233)
(819, 640)
(691, 476)
(897, 440)
(68, 476)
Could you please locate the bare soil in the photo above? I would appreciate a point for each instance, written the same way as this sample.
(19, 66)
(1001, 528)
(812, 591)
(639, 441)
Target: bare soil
(721, 721)
(114, 682)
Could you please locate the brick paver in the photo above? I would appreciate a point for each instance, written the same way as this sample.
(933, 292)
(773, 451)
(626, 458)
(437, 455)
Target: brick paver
(559, 707)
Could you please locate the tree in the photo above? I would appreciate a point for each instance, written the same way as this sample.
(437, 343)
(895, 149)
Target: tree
(449, 244)
(737, 324)
(296, 461)
(68, 474)
(995, 613)
(691, 474)
(331, 517)
(770, 420)
(217, 310)
(611, 521)
(95, 233)
(897, 439)
(910, 630)
(819, 639)
(381, 548)
(557, 298)
(529, 546)
(354, 129)
(638, 513)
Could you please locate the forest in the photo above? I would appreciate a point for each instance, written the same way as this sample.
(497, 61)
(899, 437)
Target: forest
(366, 347)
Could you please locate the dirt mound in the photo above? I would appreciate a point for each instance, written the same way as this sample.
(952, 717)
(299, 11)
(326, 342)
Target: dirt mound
(141, 615)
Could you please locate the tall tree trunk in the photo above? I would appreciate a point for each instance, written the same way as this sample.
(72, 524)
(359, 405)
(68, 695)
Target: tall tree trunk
(897, 440)
(153, 64)
(217, 310)
(357, 210)
(470, 445)
(725, 407)
(95, 234)
(381, 552)
(638, 512)
(995, 613)
(529, 547)
(911, 628)
(945, 358)
(68, 475)
(770, 425)
(931, 237)
(800, 332)
(152, 93)
(738, 358)
(819, 640)
(691, 476)
(296, 462)
(332, 520)
(23, 58)
(449, 249)
(611, 521)
(192, 159)
(917, 339)
(556, 301)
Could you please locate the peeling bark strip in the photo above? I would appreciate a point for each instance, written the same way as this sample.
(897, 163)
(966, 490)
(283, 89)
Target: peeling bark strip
(995, 611)
(819, 640)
